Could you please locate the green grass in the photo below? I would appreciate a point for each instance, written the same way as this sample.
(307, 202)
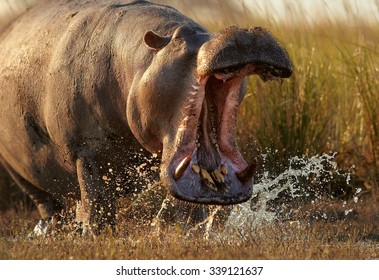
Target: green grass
(330, 104)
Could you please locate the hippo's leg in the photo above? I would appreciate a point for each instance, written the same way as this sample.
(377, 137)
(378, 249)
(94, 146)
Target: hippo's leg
(47, 204)
(97, 205)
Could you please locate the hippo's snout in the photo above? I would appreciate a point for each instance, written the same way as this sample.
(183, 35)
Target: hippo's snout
(233, 49)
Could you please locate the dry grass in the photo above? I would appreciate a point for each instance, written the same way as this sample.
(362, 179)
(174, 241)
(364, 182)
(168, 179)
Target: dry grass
(330, 104)
(354, 237)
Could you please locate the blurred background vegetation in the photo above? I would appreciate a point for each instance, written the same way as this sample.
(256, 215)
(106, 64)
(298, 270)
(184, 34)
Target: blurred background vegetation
(331, 104)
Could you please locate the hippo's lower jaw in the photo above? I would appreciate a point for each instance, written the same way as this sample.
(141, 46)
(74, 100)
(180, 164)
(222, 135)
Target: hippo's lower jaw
(207, 166)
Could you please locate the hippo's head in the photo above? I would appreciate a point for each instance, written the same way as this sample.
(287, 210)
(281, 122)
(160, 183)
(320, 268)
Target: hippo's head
(185, 107)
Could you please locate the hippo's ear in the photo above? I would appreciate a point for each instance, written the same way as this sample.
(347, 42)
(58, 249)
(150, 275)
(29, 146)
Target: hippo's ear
(155, 41)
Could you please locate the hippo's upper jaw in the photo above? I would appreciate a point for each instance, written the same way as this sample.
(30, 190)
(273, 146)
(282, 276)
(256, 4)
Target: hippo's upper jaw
(207, 166)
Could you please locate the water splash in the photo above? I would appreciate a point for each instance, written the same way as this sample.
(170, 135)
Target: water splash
(277, 196)
(304, 180)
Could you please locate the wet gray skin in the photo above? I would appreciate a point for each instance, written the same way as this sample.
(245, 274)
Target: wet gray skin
(86, 84)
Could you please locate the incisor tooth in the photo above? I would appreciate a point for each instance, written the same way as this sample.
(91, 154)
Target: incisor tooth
(224, 169)
(208, 179)
(224, 188)
(205, 175)
(212, 186)
(217, 176)
(196, 168)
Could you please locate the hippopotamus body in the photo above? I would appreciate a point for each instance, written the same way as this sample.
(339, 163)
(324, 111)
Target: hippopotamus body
(84, 84)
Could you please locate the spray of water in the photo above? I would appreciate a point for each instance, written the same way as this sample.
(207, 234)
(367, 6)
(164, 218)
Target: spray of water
(277, 197)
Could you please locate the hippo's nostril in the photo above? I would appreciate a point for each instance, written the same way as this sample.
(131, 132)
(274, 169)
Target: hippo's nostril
(276, 72)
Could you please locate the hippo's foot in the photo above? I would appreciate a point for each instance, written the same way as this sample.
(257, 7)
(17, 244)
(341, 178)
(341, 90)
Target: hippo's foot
(49, 226)
(192, 219)
(84, 229)
(96, 211)
(41, 228)
(100, 221)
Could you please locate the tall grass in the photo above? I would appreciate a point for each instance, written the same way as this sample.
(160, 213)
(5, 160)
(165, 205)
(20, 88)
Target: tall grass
(330, 104)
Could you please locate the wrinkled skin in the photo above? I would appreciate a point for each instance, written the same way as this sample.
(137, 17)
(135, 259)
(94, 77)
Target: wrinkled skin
(86, 85)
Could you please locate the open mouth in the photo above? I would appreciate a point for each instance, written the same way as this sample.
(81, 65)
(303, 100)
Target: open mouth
(207, 166)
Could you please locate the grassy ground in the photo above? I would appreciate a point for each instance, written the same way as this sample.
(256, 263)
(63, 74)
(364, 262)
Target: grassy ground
(353, 237)
(331, 104)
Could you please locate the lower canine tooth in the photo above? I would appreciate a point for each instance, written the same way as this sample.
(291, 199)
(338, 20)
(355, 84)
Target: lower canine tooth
(246, 174)
(182, 166)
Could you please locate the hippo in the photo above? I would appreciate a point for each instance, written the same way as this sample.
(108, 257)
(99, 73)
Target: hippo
(86, 84)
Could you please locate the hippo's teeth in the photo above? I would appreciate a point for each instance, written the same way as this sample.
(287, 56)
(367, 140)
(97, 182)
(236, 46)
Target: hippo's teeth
(217, 176)
(224, 169)
(196, 168)
(220, 180)
(246, 174)
(211, 185)
(182, 166)
(205, 175)
(224, 187)
(207, 179)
